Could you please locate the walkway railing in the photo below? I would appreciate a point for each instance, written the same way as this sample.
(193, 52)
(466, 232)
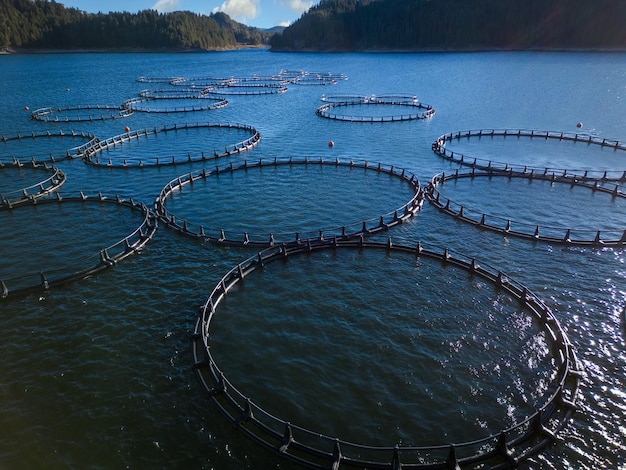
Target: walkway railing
(329, 111)
(104, 258)
(92, 113)
(352, 229)
(94, 151)
(52, 183)
(439, 147)
(503, 449)
(508, 226)
(74, 152)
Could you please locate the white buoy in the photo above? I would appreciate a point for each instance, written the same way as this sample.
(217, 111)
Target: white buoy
(579, 125)
(331, 143)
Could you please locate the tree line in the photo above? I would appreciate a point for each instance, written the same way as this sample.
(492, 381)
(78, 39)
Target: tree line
(46, 24)
(355, 25)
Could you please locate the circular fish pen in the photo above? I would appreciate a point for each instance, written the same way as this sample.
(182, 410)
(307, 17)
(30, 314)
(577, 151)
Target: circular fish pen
(340, 111)
(235, 88)
(315, 78)
(143, 104)
(105, 257)
(351, 229)
(506, 447)
(27, 147)
(144, 79)
(394, 98)
(439, 147)
(508, 226)
(81, 113)
(339, 98)
(93, 154)
(12, 197)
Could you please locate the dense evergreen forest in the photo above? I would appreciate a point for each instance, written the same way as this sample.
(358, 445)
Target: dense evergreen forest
(42, 24)
(368, 25)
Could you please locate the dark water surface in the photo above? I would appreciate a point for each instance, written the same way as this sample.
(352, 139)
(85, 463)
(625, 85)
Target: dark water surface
(378, 349)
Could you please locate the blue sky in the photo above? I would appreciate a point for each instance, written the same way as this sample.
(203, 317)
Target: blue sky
(259, 13)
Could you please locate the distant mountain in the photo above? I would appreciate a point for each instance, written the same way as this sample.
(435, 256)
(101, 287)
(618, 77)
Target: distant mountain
(442, 25)
(42, 24)
(274, 30)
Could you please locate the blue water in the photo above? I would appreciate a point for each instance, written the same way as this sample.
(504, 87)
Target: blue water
(377, 349)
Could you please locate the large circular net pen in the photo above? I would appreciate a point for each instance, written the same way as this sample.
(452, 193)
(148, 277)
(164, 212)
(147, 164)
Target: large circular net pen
(27, 147)
(350, 229)
(81, 113)
(185, 102)
(64, 271)
(375, 110)
(440, 148)
(513, 443)
(30, 193)
(94, 153)
(246, 89)
(608, 236)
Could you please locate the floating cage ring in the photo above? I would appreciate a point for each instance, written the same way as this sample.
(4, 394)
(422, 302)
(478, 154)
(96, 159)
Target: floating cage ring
(208, 103)
(353, 229)
(243, 89)
(47, 157)
(340, 111)
(175, 94)
(503, 449)
(315, 78)
(93, 152)
(439, 147)
(201, 82)
(344, 98)
(144, 79)
(105, 257)
(81, 113)
(507, 226)
(54, 181)
(394, 98)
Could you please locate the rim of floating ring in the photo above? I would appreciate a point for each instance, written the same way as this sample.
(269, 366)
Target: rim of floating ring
(216, 102)
(50, 114)
(49, 185)
(73, 152)
(318, 78)
(92, 152)
(247, 89)
(201, 82)
(507, 226)
(368, 227)
(439, 147)
(144, 79)
(260, 80)
(503, 449)
(174, 94)
(106, 257)
(392, 98)
(344, 98)
(327, 111)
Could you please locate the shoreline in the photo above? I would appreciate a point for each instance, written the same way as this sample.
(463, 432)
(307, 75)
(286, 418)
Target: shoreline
(32, 51)
(8, 50)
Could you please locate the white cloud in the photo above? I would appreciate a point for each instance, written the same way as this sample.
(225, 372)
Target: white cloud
(163, 6)
(240, 10)
(297, 6)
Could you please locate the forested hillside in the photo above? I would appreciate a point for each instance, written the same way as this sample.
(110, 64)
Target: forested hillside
(46, 24)
(355, 25)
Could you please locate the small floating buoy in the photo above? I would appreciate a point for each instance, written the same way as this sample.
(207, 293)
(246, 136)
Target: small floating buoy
(127, 129)
(579, 125)
(331, 143)
(67, 89)
(26, 108)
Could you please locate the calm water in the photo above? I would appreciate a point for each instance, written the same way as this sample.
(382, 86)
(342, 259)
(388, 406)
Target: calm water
(372, 348)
